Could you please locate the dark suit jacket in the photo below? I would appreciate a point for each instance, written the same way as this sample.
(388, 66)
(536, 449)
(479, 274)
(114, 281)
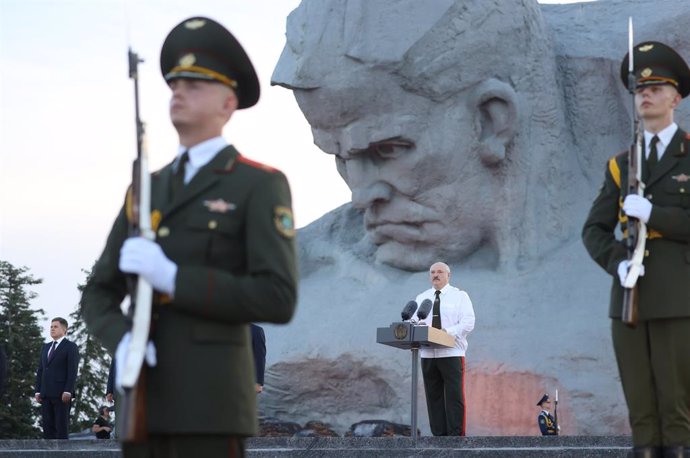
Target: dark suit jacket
(229, 231)
(110, 386)
(664, 289)
(3, 370)
(58, 375)
(259, 351)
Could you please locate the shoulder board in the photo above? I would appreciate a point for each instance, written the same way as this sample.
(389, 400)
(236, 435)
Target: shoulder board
(615, 170)
(255, 164)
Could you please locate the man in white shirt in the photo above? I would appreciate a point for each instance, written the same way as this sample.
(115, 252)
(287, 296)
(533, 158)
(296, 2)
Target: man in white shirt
(443, 369)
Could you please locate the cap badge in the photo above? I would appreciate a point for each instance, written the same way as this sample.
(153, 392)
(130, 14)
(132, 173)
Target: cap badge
(647, 72)
(187, 60)
(195, 24)
(645, 48)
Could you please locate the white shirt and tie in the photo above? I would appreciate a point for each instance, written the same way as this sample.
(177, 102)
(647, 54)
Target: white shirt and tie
(665, 137)
(199, 156)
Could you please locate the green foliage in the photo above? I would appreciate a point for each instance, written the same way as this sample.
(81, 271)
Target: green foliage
(20, 334)
(94, 363)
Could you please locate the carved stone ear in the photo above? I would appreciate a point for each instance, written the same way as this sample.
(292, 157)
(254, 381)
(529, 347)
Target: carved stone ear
(496, 104)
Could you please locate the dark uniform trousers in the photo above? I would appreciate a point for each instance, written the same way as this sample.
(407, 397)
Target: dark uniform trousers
(182, 446)
(445, 394)
(654, 364)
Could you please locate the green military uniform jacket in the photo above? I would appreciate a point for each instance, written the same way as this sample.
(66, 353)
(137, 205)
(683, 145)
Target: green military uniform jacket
(230, 232)
(664, 290)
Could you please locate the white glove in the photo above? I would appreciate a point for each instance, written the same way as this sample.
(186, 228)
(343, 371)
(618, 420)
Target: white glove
(121, 357)
(637, 207)
(623, 270)
(146, 258)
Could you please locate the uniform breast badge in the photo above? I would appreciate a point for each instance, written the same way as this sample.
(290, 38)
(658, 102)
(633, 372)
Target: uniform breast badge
(219, 206)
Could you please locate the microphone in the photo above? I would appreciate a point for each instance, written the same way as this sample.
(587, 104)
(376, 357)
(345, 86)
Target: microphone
(409, 310)
(424, 309)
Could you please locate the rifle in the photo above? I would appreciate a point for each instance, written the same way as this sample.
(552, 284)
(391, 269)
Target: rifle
(132, 425)
(555, 414)
(636, 229)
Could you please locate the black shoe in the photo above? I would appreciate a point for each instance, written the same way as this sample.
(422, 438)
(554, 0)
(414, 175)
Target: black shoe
(645, 452)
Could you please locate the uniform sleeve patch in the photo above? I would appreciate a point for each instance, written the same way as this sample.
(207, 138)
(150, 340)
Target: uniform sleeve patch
(284, 222)
(155, 219)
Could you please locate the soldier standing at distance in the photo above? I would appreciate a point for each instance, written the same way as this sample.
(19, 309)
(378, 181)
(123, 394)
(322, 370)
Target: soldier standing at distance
(654, 357)
(547, 422)
(224, 256)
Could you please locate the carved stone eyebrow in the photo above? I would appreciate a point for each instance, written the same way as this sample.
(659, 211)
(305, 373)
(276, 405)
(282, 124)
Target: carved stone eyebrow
(384, 146)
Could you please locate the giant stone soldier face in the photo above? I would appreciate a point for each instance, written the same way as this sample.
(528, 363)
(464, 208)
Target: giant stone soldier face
(412, 168)
(420, 107)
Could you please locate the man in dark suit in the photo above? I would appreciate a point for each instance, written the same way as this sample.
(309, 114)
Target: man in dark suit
(55, 380)
(259, 352)
(653, 356)
(223, 257)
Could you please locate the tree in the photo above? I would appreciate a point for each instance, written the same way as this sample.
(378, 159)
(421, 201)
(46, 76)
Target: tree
(20, 333)
(93, 371)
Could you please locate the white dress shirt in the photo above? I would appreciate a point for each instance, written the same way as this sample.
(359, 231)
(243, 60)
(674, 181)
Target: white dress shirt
(665, 137)
(457, 318)
(199, 156)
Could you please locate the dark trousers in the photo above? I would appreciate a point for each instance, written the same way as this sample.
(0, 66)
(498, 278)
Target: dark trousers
(186, 445)
(444, 384)
(55, 418)
(654, 366)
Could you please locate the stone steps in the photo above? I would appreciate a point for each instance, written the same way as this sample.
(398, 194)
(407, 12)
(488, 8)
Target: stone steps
(379, 447)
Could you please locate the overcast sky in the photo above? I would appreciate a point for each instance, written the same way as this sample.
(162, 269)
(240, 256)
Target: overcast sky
(67, 124)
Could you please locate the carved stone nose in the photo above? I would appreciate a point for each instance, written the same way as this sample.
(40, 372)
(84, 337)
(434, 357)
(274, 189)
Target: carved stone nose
(365, 196)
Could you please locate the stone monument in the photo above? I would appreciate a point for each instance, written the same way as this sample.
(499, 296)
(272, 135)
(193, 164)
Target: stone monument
(473, 132)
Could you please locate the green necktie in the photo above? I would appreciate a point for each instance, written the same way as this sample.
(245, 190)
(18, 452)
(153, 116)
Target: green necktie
(436, 319)
(653, 157)
(177, 181)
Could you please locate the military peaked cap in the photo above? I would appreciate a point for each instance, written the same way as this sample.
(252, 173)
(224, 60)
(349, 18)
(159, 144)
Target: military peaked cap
(543, 399)
(201, 48)
(655, 63)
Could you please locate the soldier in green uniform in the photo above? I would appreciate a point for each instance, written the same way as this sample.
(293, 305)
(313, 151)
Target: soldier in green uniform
(224, 256)
(653, 357)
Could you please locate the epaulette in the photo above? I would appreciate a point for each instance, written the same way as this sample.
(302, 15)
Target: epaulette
(255, 164)
(615, 170)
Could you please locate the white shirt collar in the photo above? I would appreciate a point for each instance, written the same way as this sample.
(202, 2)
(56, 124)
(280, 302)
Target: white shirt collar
(202, 153)
(444, 289)
(58, 342)
(665, 137)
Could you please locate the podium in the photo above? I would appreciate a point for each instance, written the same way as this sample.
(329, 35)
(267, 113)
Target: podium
(405, 335)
